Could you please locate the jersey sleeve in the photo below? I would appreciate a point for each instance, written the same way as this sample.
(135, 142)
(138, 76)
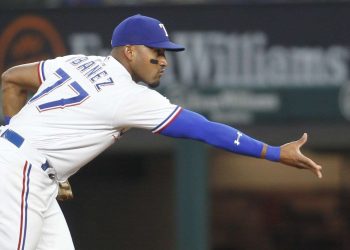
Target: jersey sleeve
(47, 67)
(146, 109)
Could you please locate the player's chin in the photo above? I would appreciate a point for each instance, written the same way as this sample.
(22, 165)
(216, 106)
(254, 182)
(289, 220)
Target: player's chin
(154, 84)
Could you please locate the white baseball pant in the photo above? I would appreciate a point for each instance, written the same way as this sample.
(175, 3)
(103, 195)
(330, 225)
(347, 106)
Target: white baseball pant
(30, 217)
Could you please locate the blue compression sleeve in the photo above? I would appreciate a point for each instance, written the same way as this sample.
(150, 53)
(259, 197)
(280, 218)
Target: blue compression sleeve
(192, 125)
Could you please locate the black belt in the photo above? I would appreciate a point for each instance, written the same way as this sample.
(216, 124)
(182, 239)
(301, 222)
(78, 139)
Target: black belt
(18, 140)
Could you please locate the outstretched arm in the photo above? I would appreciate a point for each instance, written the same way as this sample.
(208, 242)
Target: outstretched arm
(191, 125)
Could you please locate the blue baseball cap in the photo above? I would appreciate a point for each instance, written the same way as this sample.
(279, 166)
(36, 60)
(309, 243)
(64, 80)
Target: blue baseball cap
(143, 30)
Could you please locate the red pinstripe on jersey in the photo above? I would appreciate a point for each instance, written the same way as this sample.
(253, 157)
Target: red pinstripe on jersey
(24, 207)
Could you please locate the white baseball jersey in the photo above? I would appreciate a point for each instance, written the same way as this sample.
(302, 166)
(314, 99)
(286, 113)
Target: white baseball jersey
(82, 106)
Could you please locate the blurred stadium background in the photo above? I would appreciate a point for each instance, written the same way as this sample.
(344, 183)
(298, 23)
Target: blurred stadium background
(272, 68)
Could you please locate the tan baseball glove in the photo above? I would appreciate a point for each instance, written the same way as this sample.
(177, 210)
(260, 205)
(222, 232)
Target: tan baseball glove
(64, 191)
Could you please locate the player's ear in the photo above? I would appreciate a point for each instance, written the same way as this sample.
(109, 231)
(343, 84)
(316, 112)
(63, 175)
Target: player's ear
(129, 51)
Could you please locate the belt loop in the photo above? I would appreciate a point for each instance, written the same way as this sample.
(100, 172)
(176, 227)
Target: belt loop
(45, 166)
(49, 170)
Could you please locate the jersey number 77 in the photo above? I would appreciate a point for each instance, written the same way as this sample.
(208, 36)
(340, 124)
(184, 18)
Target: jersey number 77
(64, 80)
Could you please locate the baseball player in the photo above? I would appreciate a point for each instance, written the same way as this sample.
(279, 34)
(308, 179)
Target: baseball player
(81, 106)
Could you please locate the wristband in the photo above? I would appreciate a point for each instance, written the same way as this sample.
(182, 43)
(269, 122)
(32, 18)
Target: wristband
(7, 119)
(273, 153)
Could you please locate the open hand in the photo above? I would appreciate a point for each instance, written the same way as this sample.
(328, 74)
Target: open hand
(292, 156)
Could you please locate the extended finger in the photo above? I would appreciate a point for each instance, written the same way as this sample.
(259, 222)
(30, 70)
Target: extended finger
(302, 140)
(311, 165)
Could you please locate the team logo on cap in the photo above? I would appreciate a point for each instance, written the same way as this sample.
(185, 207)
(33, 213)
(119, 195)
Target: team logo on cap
(163, 27)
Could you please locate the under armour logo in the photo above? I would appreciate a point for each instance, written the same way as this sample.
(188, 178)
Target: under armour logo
(239, 134)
